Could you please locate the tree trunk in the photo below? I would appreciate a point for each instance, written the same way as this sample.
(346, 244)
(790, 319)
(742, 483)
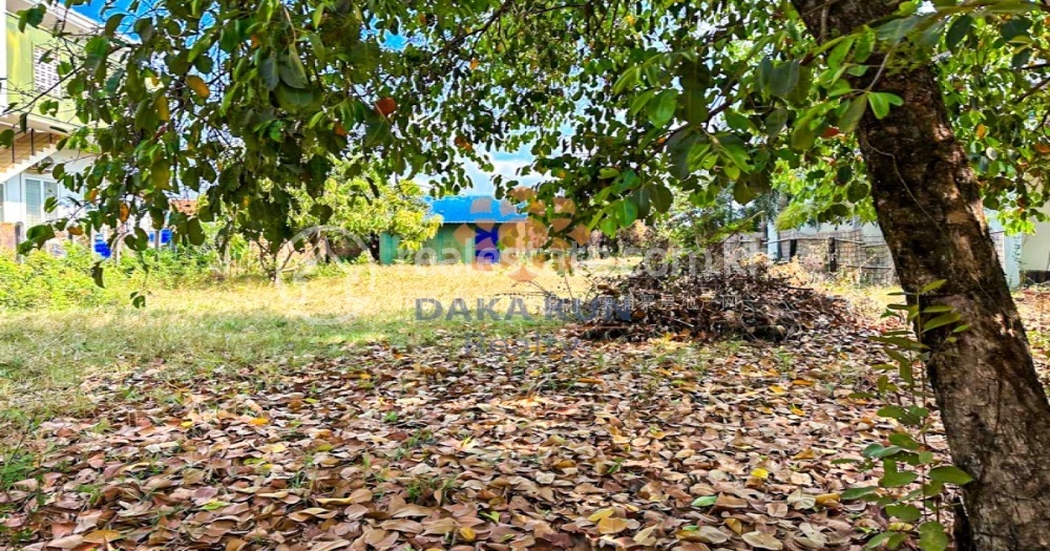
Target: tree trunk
(994, 410)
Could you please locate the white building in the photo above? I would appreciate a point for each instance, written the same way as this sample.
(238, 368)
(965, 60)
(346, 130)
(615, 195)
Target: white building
(25, 169)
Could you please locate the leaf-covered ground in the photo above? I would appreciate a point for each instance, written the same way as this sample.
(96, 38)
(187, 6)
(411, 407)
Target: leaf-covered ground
(548, 444)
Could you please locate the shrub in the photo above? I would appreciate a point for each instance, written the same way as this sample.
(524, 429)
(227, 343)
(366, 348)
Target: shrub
(169, 267)
(46, 281)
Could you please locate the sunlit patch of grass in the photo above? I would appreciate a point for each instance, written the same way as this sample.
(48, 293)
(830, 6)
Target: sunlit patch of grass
(45, 355)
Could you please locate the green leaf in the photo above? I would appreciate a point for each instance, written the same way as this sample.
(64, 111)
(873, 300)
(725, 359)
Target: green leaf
(851, 118)
(736, 121)
(641, 101)
(693, 104)
(941, 321)
(800, 93)
(160, 175)
(880, 540)
(958, 31)
(932, 487)
(195, 232)
(214, 505)
(96, 275)
(876, 451)
(626, 212)
(903, 440)
(294, 100)
(40, 234)
(895, 30)
(950, 474)
(905, 512)
(628, 79)
(742, 193)
(776, 122)
(865, 45)
(733, 148)
(661, 109)
(268, 72)
(857, 192)
(932, 537)
(932, 286)
(291, 70)
(891, 412)
(661, 198)
(318, 16)
(783, 79)
(33, 17)
(678, 148)
(859, 492)
(803, 136)
(840, 51)
(1016, 27)
(113, 23)
(881, 101)
(705, 501)
(608, 173)
(896, 479)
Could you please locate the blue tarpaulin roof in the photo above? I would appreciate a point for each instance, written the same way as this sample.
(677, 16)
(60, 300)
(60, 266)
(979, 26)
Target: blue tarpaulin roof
(470, 209)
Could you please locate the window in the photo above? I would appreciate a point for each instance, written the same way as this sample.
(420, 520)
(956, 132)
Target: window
(3, 190)
(45, 73)
(37, 194)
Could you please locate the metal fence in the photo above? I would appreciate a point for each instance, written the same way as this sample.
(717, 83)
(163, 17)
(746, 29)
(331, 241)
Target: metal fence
(851, 254)
(846, 254)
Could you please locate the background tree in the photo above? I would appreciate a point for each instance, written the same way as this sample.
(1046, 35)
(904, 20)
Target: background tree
(343, 222)
(619, 102)
(698, 226)
(368, 206)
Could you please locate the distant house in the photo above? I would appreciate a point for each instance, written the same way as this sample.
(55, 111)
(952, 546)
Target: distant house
(163, 238)
(29, 69)
(860, 247)
(474, 229)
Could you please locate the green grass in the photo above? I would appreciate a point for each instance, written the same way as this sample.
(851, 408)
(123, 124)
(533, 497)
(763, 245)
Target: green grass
(45, 355)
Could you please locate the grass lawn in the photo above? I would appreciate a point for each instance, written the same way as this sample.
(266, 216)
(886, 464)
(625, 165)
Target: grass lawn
(324, 415)
(247, 417)
(246, 323)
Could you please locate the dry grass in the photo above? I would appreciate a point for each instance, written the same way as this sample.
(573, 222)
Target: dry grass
(247, 323)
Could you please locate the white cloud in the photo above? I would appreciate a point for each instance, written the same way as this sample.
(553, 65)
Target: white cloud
(504, 164)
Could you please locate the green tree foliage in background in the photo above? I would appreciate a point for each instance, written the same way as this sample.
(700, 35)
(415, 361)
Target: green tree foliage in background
(368, 206)
(925, 109)
(697, 227)
(343, 221)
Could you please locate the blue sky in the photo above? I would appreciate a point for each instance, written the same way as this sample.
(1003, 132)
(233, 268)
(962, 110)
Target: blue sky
(92, 8)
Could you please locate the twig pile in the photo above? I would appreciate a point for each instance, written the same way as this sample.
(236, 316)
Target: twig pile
(751, 303)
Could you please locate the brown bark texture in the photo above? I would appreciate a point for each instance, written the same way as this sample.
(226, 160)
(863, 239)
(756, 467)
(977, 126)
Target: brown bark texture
(993, 406)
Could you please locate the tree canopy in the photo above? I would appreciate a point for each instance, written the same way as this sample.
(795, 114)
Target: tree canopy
(834, 103)
(618, 101)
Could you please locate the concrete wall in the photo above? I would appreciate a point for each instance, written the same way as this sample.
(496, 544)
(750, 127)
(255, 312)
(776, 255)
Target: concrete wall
(1035, 249)
(20, 50)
